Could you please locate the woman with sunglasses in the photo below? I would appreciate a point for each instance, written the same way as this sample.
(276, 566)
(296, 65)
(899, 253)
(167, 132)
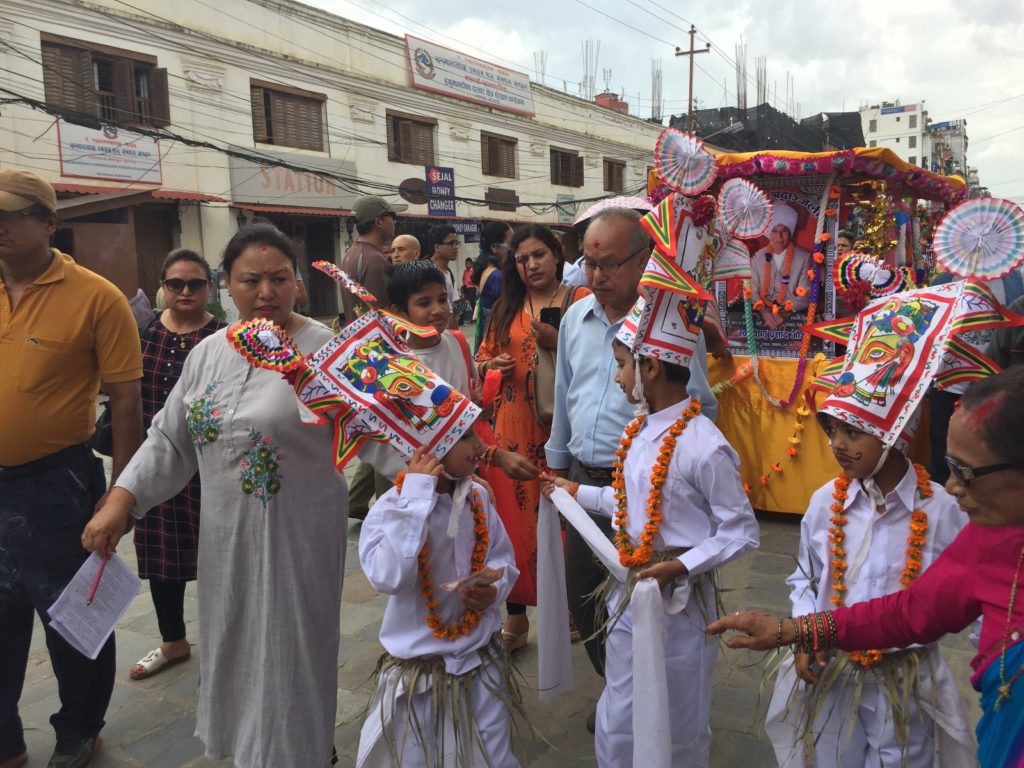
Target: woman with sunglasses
(167, 537)
(978, 575)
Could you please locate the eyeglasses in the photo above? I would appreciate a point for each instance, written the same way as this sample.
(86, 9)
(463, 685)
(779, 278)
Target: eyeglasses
(9, 217)
(611, 267)
(177, 285)
(964, 474)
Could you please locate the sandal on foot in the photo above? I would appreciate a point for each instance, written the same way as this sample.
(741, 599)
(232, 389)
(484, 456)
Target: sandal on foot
(513, 641)
(154, 662)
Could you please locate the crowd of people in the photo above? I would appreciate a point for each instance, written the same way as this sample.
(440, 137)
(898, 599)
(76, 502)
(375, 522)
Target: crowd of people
(574, 395)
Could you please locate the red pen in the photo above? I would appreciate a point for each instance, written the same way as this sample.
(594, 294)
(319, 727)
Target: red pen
(96, 581)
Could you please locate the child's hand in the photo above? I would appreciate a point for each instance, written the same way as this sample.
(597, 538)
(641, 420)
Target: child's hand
(549, 482)
(479, 597)
(423, 463)
(665, 573)
(517, 467)
(808, 668)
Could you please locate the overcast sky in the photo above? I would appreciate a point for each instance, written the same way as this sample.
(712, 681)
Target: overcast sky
(964, 59)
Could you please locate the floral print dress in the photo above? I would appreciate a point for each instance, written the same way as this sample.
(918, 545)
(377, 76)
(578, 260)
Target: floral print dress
(271, 552)
(516, 429)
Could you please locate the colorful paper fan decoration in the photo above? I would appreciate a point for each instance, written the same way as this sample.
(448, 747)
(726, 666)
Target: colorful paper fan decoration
(982, 237)
(733, 261)
(633, 203)
(860, 267)
(265, 345)
(744, 210)
(341, 278)
(683, 163)
(661, 224)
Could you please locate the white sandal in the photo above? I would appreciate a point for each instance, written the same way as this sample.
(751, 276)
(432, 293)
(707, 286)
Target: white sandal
(154, 662)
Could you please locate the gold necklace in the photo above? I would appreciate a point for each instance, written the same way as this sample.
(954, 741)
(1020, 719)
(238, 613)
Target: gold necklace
(547, 304)
(1004, 686)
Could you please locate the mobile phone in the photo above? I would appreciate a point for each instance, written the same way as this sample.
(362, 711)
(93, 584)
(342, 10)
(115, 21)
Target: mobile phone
(551, 316)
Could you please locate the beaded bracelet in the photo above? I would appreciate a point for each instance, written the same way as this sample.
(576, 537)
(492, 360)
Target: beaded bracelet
(778, 637)
(488, 458)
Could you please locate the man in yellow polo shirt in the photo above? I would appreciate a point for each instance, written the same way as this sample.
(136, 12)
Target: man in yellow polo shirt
(63, 331)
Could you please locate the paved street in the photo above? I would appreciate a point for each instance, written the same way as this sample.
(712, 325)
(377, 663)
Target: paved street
(150, 723)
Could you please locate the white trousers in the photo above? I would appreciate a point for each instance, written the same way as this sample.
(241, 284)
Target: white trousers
(690, 658)
(871, 738)
(390, 723)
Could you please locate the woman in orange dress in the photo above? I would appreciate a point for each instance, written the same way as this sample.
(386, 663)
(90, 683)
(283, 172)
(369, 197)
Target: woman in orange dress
(524, 327)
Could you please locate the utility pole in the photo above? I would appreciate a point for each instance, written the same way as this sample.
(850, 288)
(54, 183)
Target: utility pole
(691, 53)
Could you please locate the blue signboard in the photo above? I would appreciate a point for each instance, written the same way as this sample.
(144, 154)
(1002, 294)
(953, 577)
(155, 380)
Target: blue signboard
(440, 181)
(441, 206)
(897, 110)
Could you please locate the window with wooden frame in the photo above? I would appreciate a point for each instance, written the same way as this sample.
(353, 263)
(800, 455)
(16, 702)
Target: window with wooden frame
(287, 117)
(111, 84)
(614, 175)
(566, 167)
(410, 138)
(498, 155)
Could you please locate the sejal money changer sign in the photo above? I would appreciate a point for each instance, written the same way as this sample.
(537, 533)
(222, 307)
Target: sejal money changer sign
(435, 68)
(440, 190)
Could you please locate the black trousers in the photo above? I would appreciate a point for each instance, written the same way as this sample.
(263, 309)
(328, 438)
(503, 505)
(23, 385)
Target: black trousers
(169, 602)
(584, 574)
(44, 507)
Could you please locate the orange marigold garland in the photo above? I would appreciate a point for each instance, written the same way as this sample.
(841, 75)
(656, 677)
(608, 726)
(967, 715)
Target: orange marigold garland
(837, 551)
(470, 618)
(629, 556)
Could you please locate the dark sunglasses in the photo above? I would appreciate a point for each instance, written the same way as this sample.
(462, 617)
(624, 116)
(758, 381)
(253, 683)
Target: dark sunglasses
(177, 285)
(964, 474)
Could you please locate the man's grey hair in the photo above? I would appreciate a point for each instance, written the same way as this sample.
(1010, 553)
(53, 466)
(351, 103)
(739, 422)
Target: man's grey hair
(638, 238)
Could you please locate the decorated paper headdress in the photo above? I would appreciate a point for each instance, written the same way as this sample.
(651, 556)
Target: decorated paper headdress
(665, 321)
(366, 382)
(900, 345)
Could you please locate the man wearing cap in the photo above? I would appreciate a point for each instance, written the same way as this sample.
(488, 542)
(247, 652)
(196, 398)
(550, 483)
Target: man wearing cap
(365, 261)
(778, 272)
(63, 331)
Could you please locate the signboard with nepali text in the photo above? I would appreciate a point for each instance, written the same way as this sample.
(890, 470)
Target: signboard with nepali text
(450, 73)
(109, 153)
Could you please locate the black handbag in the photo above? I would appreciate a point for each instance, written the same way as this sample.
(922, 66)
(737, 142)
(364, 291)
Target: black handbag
(102, 440)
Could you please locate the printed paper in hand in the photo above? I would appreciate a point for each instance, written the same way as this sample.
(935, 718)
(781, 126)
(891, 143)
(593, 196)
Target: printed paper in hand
(87, 627)
(483, 576)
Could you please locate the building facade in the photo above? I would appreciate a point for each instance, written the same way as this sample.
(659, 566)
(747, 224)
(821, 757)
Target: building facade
(903, 128)
(172, 124)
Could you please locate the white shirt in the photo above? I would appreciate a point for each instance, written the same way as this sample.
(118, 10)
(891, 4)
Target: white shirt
(875, 544)
(703, 503)
(389, 544)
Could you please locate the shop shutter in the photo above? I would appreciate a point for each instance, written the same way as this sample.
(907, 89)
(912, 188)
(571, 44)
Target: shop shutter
(67, 78)
(259, 115)
(159, 97)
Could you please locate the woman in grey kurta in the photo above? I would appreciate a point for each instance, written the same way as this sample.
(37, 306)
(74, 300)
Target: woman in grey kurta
(271, 547)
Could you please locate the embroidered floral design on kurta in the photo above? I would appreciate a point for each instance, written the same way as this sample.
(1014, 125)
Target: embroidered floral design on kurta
(203, 418)
(260, 475)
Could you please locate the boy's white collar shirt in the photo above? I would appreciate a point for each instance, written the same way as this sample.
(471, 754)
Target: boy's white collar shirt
(389, 544)
(875, 543)
(704, 506)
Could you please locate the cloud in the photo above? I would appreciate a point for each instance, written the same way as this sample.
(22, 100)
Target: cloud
(956, 56)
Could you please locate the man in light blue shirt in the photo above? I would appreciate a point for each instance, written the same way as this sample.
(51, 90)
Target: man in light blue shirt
(591, 412)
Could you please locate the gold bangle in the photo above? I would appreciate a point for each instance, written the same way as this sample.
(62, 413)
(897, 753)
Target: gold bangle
(778, 640)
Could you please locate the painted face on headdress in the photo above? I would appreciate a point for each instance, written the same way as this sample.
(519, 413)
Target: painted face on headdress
(900, 346)
(886, 351)
(398, 381)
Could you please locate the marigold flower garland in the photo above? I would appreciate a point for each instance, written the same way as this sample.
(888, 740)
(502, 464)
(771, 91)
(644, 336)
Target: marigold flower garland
(471, 617)
(837, 552)
(629, 556)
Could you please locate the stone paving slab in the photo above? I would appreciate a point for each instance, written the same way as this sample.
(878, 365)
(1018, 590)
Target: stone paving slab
(150, 723)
